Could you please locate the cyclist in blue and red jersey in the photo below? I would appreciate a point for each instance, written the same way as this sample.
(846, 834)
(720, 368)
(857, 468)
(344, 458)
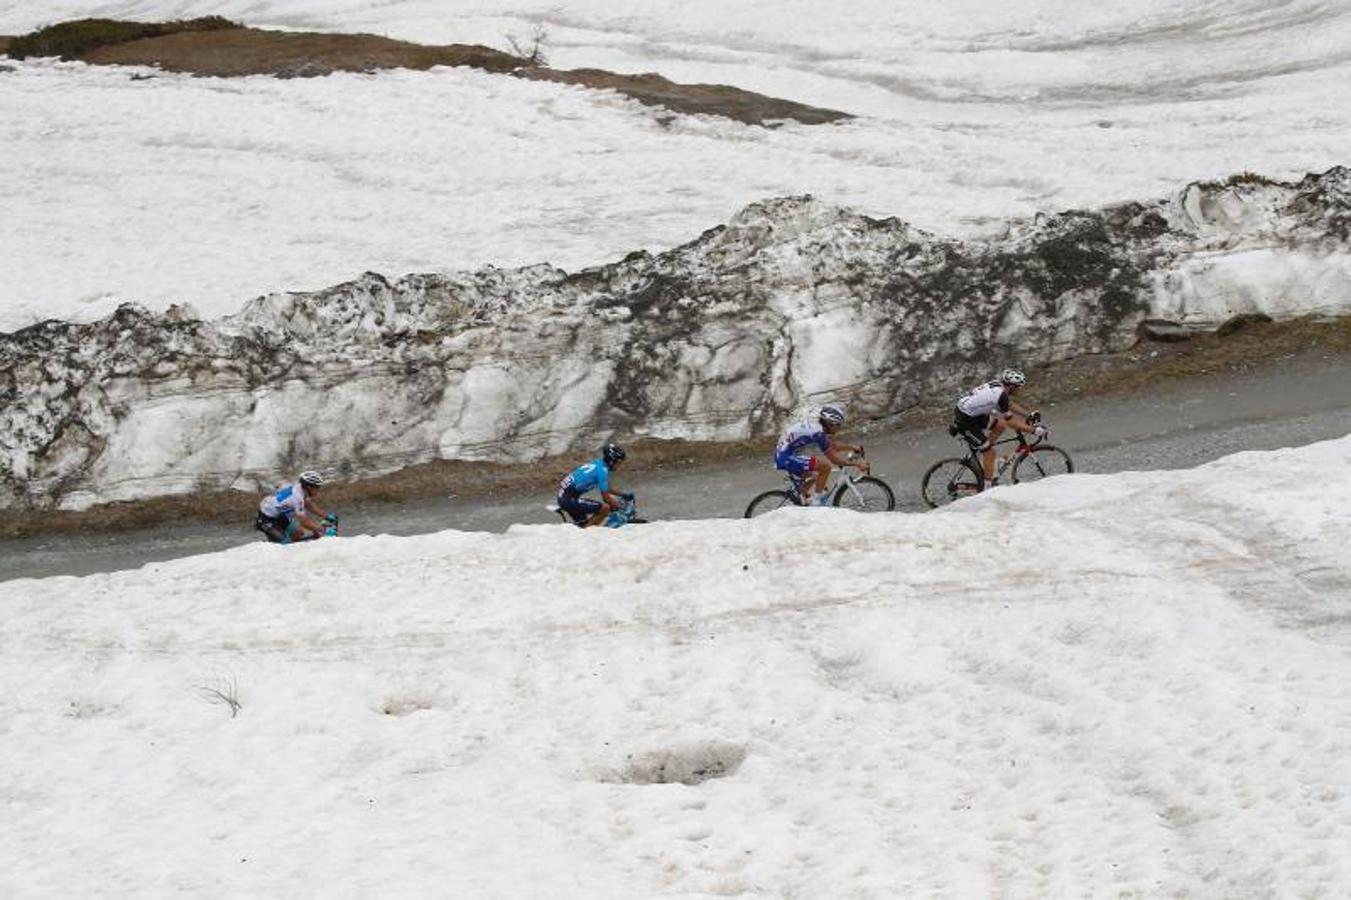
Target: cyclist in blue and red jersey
(793, 453)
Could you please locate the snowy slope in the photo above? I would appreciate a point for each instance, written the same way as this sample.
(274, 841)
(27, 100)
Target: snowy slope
(178, 189)
(1102, 685)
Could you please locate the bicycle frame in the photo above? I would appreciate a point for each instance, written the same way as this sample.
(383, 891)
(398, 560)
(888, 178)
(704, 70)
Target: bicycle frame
(797, 482)
(1005, 460)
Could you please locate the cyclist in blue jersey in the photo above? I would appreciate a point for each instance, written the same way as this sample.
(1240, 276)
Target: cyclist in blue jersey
(284, 515)
(594, 475)
(793, 453)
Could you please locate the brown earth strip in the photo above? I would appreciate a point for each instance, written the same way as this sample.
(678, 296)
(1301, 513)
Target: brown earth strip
(217, 47)
(651, 89)
(1146, 366)
(292, 54)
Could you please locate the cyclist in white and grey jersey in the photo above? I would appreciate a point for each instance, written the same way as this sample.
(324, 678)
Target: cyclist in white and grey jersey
(990, 406)
(287, 514)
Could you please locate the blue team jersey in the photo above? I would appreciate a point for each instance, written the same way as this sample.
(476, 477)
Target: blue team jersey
(588, 476)
(799, 437)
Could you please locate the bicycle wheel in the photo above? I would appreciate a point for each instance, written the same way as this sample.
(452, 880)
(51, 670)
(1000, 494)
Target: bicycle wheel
(1041, 462)
(951, 479)
(770, 501)
(868, 494)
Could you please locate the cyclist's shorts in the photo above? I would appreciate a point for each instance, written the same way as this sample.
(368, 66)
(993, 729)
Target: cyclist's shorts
(580, 508)
(795, 465)
(973, 426)
(276, 529)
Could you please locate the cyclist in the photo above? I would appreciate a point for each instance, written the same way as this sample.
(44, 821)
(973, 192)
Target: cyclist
(594, 475)
(789, 455)
(990, 405)
(285, 515)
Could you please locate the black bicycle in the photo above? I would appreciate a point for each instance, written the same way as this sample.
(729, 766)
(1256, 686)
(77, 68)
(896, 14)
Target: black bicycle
(954, 478)
(861, 493)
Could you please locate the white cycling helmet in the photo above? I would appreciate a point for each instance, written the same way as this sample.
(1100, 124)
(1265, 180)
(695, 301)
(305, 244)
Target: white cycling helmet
(832, 414)
(312, 478)
(1012, 376)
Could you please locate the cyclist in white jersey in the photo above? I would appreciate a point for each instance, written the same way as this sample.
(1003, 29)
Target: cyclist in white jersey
(990, 406)
(284, 515)
(801, 436)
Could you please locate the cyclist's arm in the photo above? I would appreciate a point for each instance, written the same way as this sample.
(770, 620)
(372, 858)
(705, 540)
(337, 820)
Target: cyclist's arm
(833, 454)
(308, 523)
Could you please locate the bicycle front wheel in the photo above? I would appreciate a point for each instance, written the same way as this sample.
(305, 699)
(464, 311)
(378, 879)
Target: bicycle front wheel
(950, 479)
(768, 502)
(1040, 462)
(865, 494)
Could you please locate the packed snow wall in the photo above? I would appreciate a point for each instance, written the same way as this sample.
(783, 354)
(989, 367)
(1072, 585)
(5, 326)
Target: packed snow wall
(793, 301)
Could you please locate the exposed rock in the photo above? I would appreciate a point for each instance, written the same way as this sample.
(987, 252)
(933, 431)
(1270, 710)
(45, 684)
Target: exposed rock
(791, 302)
(1241, 321)
(1163, 330)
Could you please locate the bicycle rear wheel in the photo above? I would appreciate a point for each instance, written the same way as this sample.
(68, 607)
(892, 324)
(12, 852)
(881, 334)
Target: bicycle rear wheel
(868, 494)
(1040, 462)
(770, 501)
(951, 479)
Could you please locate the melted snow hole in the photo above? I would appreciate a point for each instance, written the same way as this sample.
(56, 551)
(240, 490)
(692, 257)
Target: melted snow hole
(688, 764)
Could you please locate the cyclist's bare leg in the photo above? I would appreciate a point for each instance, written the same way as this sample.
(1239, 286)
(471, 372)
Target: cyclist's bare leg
(823, 469)
(987, 456)
(987, 462)
(599, 517)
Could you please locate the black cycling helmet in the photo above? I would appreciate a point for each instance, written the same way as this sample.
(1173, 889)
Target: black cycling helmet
(613, 453)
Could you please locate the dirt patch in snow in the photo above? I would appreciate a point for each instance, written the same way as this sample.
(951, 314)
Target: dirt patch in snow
(236, 52)
(1146, 366)
(220, 48)
(695, 99)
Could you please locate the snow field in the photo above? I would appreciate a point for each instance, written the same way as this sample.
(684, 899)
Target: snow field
(208, 191)
(1097, 684)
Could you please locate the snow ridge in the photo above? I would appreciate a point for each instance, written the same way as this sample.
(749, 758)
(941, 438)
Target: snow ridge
(1149, 700)
(790, 302)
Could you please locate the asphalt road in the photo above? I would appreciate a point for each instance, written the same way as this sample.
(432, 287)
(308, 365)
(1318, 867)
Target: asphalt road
(1285, 403)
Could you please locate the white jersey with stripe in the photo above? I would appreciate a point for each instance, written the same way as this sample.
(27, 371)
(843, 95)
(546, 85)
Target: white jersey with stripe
(984, 399)
(289, 500)
(801, 435)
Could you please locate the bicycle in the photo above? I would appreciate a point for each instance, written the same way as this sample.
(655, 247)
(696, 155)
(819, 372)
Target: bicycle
(862, 493)
(288, 536)
(953, 478)
(626, 515)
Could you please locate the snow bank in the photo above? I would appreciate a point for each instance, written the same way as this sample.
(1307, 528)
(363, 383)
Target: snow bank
(135, 186)
(793, 301)
(1129, 684)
